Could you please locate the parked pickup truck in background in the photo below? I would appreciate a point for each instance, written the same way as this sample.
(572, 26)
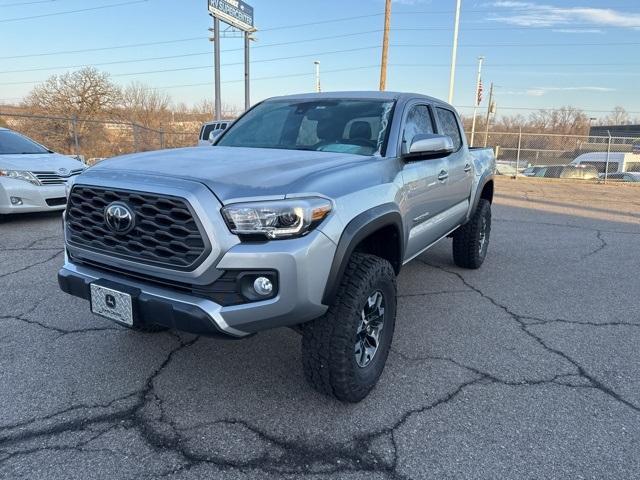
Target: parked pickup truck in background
(210, 130)
(301, 215)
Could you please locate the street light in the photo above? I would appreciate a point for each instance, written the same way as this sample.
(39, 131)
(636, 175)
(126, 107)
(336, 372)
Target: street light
(318, 87)
(454, 52)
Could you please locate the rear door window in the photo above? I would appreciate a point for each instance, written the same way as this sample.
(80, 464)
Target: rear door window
(450, 127)
(418, 123)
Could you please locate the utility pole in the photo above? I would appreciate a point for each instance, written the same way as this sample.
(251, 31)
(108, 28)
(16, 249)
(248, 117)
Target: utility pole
(385, 46)
(490, 110)
(247, 86)
(216, 68)
(454, 52)
(318, 86)
(476, 103)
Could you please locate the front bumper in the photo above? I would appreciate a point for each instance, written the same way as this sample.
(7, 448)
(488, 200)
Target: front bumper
(302, 266)
(34, 197)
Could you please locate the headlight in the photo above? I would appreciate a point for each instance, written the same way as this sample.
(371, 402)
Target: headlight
(277, 219)
(20, 175)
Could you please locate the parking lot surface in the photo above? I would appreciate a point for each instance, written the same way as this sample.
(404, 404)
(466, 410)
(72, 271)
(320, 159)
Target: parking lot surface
(526, 368)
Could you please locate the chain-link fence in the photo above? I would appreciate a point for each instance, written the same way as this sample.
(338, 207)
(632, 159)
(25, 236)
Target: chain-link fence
(518, 151)
(94, 139)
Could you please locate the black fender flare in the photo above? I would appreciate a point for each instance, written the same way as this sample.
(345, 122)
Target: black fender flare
(481, 184)
(359, 228)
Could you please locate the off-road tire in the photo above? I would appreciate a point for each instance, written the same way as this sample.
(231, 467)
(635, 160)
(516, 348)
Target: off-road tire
(469, 248)
(328, 343)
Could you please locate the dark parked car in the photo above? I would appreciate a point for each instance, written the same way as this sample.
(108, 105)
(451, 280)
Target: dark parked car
(568, 172)
(532, 171)
(622, 177)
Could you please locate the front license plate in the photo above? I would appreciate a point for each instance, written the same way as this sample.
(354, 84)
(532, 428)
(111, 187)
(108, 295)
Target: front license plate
(112, 304)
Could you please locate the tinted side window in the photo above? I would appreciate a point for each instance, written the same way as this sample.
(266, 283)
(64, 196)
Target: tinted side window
(418, 122)
(207, 130)
(450, 126)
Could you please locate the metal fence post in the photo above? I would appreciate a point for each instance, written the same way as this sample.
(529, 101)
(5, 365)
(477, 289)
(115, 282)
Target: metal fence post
(134, 127)
(518, 153)
(74, 125)
(161, 139)
(606, 167)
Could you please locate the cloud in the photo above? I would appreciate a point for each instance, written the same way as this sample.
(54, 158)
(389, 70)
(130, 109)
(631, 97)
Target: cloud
(531, 14)
(541, 91)
(577, 30)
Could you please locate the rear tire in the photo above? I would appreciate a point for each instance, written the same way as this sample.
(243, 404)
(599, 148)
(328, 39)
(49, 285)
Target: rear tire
(344, 352)
(471, 240)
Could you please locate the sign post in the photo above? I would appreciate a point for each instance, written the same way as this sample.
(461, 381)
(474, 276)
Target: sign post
(237, 14)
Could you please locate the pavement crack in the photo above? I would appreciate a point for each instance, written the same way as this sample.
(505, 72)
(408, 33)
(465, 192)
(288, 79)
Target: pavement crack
(488, 376)
(525, 327)
(62, 331)
(41, 262)
(132, 413)
(541, 321)
(23, 317)
(602, 246)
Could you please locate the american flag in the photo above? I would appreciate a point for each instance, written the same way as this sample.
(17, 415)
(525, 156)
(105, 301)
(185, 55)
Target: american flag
(480, 90)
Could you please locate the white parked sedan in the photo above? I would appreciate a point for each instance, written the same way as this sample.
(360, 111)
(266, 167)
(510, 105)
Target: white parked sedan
(32, 178)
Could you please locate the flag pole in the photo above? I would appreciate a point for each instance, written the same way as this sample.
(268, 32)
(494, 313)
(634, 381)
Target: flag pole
(478, 99)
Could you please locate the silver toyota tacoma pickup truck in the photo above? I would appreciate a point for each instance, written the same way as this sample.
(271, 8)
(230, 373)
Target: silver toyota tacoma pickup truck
(301, 214)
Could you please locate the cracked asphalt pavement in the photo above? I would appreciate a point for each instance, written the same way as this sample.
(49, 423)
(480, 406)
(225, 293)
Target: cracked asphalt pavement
(526, 368)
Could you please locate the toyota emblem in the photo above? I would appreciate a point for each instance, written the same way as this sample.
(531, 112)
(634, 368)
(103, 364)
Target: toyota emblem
(63, 172)
(119, 217)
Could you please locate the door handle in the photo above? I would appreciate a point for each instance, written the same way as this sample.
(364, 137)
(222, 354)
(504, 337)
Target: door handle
(467, 168)
(443, 176)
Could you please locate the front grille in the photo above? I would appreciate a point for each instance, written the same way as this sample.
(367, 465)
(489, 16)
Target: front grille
(56, 178)
(166, 231)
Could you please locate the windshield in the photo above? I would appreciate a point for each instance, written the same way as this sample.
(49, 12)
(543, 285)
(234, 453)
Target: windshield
(341, 126)
(12, 143)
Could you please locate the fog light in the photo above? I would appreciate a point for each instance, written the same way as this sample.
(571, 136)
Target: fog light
(16, 201)
(263, 286)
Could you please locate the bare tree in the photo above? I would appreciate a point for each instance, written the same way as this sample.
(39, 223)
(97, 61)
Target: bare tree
(83, 93)
(564, 120)
(618, 116)
(82, 96)
(145, 106)
(148, 110)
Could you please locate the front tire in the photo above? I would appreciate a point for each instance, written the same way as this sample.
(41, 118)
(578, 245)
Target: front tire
(471, 240)
(344, 352)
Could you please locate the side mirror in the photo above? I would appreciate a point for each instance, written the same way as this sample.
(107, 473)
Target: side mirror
(430, 145)
(214, 134)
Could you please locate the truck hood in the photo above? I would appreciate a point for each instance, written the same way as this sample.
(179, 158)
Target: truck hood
(233, 173)
(48, 162)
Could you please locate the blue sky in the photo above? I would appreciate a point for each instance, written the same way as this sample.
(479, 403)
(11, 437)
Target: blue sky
(539, 54)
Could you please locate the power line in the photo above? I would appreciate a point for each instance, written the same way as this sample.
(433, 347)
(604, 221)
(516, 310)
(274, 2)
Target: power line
(20, 4)
(433, 45)
(54, 14)
(187, 54)
(189, 39)
(97, 49)
(417, 65)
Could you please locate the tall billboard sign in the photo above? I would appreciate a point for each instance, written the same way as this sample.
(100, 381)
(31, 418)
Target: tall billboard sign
(236, 13)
